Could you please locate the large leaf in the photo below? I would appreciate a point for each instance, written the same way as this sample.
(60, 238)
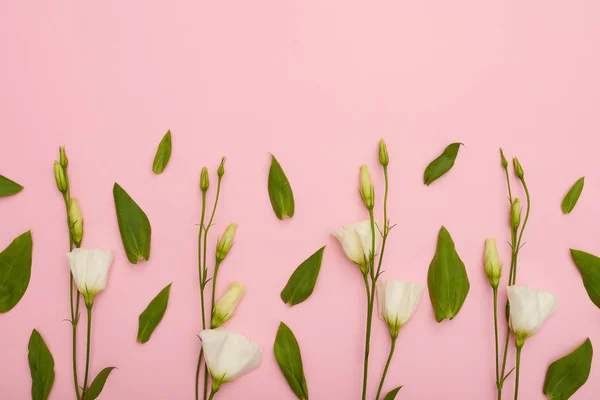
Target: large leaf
(447, 279)
(287, 354)
(572, 196)
(442, 164)
(153, 314)
(8, 187)
(392, 394)
(589, 268)
(41, 366)
(133, 225)
(302, 282)
(98, 384)
(15, 271)
(163, 154)
(566, 375)
(280, 191)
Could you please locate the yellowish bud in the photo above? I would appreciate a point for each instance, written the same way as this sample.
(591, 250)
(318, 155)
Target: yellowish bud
(221, 169)
(515, 214)
(226, 305)
(367, 192)
(518, 168)
(491, 261)
(226, 242)
(384, 159)
(60, 176)
(64, 161)
(76, 221)
(204, 179)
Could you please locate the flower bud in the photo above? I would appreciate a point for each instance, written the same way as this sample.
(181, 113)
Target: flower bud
(384, 159)
(204, 179)
(491, 261)
(226, 242)
(504, 161)
(226, 305)
(64, 161)
(515, 214)
(518, 168)
(60, 176)
(367, 192)
(221, 169)
(76, 221)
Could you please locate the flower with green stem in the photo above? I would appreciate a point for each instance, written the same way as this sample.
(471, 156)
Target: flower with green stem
(493, 270)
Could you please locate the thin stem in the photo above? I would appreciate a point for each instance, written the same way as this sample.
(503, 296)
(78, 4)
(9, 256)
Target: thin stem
(87, 352)
(518, 372)
(198, 369)
(214, 286)
(508, 184)
(367, 336)
(387, 365)
(385, 221)
(201, 282)
(522, 228)
(372, 255)
(496, 341)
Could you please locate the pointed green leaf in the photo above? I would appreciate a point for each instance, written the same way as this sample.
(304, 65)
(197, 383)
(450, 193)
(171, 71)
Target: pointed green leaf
(589, 268)
(8, 187)
(98, 384)
(15, 271)
(41, 366)
(163, 154)
(287, 354)
(153, 314)
(302, 282)
(566, 375)
(442, 164)
(447, 279)
(572, 196)
(392, 394)
(280, 191)
(133, 225)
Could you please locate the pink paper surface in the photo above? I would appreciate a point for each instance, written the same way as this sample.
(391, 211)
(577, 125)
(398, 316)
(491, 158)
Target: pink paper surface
(316, 83)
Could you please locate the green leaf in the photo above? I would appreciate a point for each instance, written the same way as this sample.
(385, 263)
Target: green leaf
(572, 196)
(153, 314)
(133, 225)
(302, 282)
(15, 271)
(287, 354)
(98, 384)
(41, 366)
(589, 268)
(163, 154)
(8, 187)
(447, 279)
(442, 164)
(392, 395)
(566, 375)
(280, 191)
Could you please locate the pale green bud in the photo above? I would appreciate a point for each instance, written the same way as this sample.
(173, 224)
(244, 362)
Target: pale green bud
(204, 179)
(491, 261)
(76, 221)
(504, 161)
(221, 169)
(226, 305)
(60, 176)
(64, 161)
(518, 168)
(515, 214)
(384, 159)
(226, 242)
(367, 192)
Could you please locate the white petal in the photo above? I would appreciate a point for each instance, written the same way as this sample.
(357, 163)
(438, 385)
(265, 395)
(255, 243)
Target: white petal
(90, 269)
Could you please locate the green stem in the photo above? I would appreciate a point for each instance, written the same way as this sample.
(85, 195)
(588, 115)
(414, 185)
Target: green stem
(385, 221)
(367, 336)
(496, 341)
(87, 351)
(522, 229)
(214, 287)
(518, 372)
(508, 184)
(201, 282)
(198, 370)
(212, 394)
(387, 365)
(372, 255)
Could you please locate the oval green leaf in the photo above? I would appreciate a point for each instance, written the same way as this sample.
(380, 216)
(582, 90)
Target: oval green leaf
(302, 282)
(98, 384)
(392, 394)
(153, 314)
(442, 164)
(280, 191)
(15, 271)
(447, 279)
(163, 154)
(8, 187)
(133, 225)
(566, 375)
(572, 196)
(589, 268)
(41, 366)
(287, 354)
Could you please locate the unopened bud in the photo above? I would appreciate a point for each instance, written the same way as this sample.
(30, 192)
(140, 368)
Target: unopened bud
(204, 179)
(367, 192)
(504, 161)
(221, 169)
(60, 176)
(226, 242)
(64, 161)
(491, 261)
(515, 214)
(384, 159)
(76, 221)
(226, 305)
(518, 168)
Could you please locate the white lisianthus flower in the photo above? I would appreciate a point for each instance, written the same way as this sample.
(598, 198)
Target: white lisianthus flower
(356, 240)
(228, 355)
(529, 308)
(226, 305)
(397, 301)
(90, 271)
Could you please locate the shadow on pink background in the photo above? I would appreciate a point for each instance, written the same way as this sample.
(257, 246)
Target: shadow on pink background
(316, 83)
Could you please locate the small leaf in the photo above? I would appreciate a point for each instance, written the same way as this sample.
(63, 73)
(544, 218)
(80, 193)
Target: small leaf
(287, 354)
(153, 314)
(392, 395)
(589, 268)
(41, 366)
(8, 187)
(572, 196)
(447, 279)
(280, 191)
(566, 375)
(302, 282)
(163, 154)
(15, 271)
(442, 164)
(133, 225)
(98, 384)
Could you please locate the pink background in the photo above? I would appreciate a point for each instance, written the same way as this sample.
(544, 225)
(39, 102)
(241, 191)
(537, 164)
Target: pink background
(316, 83)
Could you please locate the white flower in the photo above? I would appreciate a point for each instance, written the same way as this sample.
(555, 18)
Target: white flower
(356, 241)
(397, 301)
(226, 305)
(228, 355)
(529, 308)
(90, 271)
